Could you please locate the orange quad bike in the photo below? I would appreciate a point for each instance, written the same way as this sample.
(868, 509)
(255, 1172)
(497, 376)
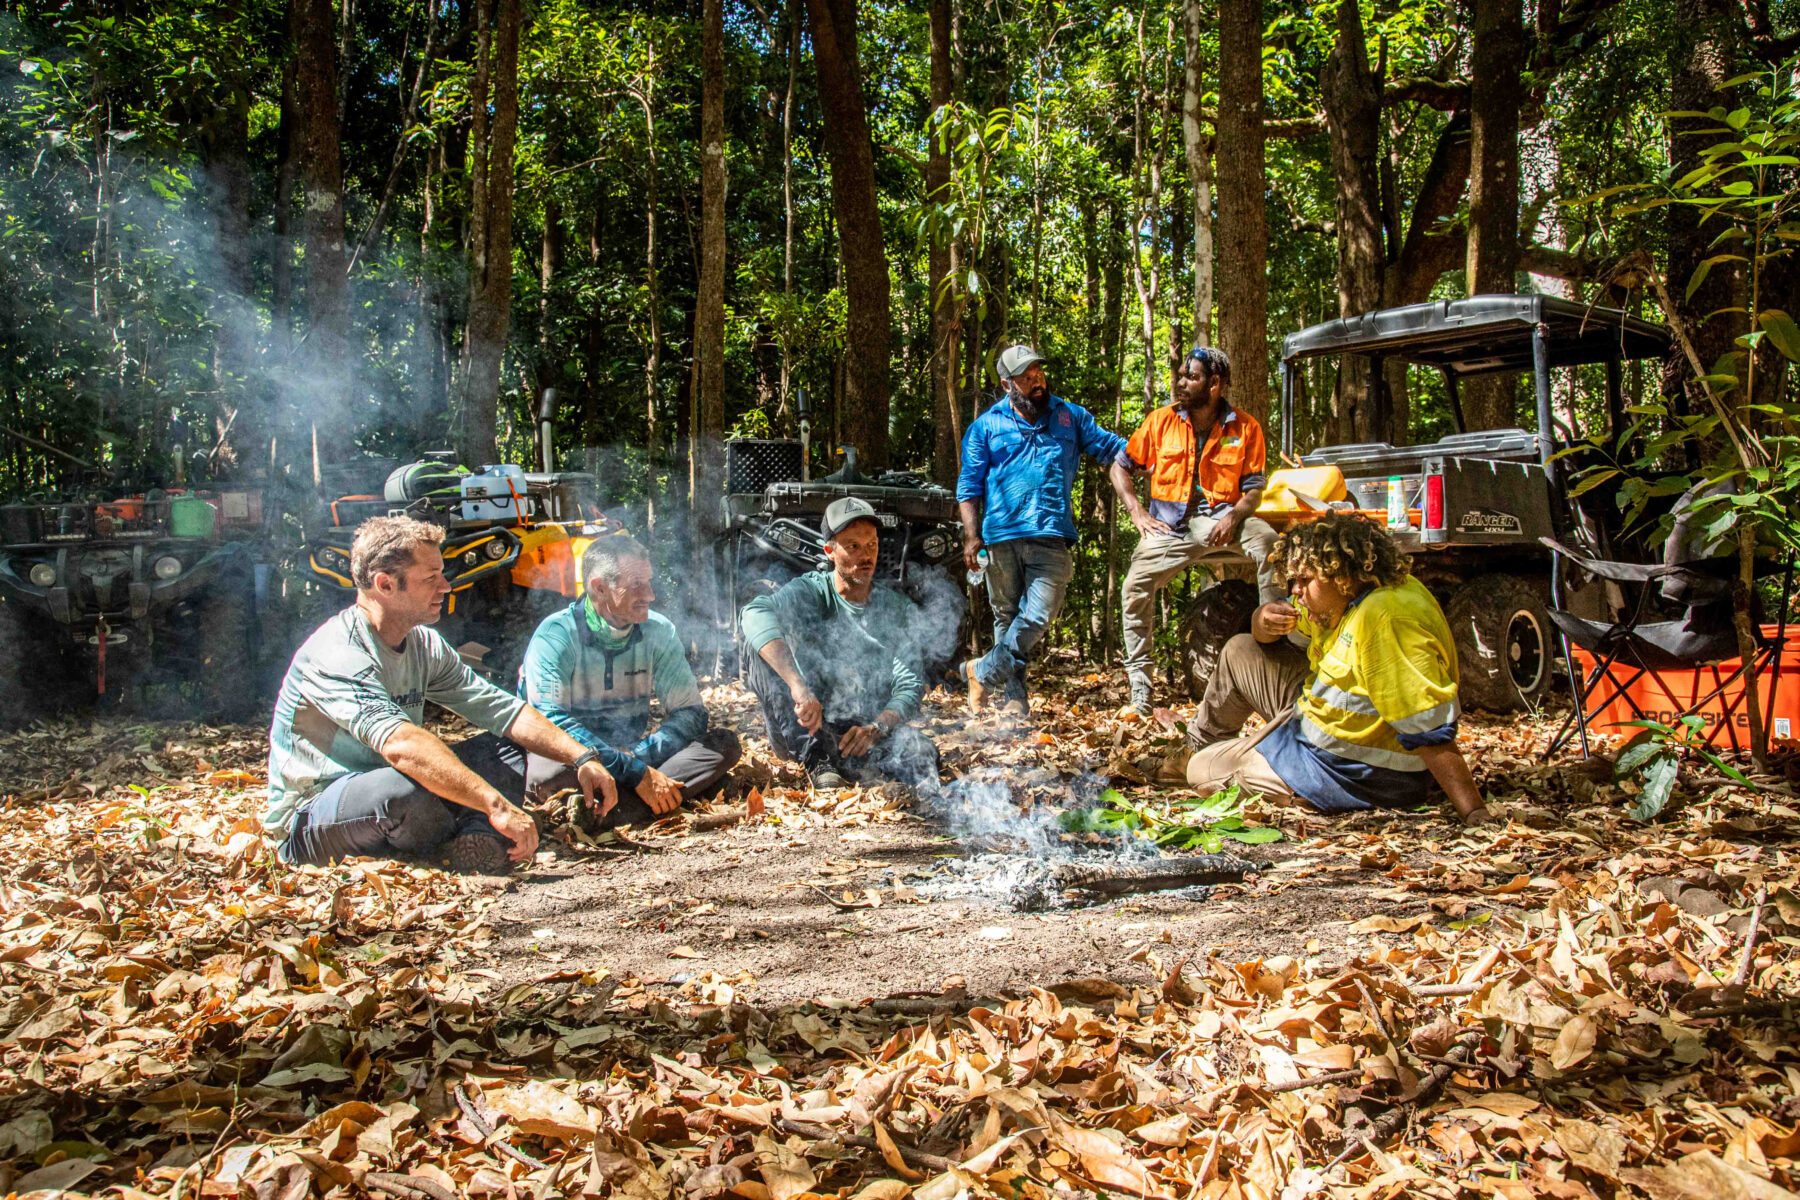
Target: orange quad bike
(513, 542)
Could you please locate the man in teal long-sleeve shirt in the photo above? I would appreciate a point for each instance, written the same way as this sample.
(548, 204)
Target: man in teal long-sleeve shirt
(829, 663)
(592, 668)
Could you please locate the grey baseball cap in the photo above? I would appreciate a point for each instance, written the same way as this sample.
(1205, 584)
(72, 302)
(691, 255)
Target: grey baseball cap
(844, 513)
(1014, 359)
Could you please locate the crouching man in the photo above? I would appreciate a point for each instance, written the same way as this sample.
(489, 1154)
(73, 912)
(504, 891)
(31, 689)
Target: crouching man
(593, 668)
(1367, 714)
(352, 770)
(835, 686)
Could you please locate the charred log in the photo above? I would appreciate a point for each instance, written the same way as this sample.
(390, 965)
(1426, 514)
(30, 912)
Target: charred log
(1157, 875)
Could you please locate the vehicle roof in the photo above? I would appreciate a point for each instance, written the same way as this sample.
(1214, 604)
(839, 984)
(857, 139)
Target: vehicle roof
(1484, 334)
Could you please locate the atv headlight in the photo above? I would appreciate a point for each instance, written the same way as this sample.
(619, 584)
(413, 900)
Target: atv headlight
(337, 560)
(167, 567)
(42, 574)
(496, 549)
(934, 545)
(469, 559)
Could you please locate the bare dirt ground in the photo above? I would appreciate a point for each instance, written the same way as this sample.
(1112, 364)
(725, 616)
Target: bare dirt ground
(755, 902)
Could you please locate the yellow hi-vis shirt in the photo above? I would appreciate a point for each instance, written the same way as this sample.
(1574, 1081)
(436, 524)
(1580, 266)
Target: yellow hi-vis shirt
(1382, 685)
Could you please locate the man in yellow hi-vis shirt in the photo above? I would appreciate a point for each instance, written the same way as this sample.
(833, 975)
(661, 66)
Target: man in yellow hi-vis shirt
(1367, 714)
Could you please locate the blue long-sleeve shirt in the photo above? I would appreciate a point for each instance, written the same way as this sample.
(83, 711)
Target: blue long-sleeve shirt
(1024, 473)
(596, 686)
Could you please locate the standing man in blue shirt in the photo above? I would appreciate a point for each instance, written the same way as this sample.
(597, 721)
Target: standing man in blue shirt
(1019, 460)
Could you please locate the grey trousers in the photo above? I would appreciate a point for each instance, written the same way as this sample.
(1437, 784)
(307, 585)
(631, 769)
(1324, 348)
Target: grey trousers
(1160, 558)
(700, 767)
(1251, 678)
(386, 814)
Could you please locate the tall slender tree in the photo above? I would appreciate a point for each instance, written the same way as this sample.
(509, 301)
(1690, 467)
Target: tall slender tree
(321, 181)
(490, 221)
(707, 422)
(1243, 229)
(1496, 60)
(869, 336)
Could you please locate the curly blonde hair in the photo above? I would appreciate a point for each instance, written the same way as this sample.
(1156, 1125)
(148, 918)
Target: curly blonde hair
(1350, 551)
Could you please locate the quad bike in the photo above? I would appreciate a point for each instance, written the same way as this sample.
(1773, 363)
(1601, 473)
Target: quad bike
(124, 594)
(512, 547)
(771, 535)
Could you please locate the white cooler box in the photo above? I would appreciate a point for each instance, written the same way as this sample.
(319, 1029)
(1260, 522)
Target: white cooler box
(496, 494)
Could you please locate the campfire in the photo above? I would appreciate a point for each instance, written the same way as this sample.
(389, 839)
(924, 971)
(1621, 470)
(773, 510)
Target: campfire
(1026, 860)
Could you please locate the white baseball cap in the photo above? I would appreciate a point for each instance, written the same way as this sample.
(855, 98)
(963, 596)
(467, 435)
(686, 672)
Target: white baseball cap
(844, 513)
(1014, 359)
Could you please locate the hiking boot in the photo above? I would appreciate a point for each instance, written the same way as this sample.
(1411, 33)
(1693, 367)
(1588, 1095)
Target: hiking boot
(977, 690)
(825, 779)
(478, 854)
(1140, 699)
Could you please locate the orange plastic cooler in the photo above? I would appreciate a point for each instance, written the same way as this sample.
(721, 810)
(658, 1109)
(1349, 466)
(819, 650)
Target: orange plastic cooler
(1663, 696)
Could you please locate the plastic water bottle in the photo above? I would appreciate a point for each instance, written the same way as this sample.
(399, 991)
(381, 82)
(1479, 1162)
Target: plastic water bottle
(979, 575)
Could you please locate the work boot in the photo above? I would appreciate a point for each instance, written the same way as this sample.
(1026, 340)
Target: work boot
(1140, 699)
(478, 854)
(977, 690)
(1016, 708)
(825, 779)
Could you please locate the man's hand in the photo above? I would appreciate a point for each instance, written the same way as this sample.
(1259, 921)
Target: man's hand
(1224, 530)
(515, 827)
(661, 793)
(807, 709)
(1149, 526)
(1273, 621)
(971, 553)
(595, 778)
(858, 740)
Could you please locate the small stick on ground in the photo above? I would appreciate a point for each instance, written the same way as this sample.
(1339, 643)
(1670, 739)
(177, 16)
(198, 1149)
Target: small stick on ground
(1394, 1119)
(1294, 1085)
(705, 822)
(486, 1130)
(1117, 879)
(1468, 984)
(1740, 976)
(818, 1133)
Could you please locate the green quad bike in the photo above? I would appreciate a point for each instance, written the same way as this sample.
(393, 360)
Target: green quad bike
(1474, 503)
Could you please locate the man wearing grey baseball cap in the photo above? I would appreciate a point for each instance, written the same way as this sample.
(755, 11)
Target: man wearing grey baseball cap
(827, 664)
(1019, 460)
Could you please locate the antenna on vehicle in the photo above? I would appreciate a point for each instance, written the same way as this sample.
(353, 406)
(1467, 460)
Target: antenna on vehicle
(803, 405)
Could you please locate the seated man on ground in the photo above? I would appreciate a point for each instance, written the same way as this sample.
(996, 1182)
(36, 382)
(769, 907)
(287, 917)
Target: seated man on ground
(1367, 713)
(593, 667)
(352, 770)
(835, 693)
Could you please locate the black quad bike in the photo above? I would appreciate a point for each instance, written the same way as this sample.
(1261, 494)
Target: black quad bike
(164, 596)
(771, 535)
(1471, 507)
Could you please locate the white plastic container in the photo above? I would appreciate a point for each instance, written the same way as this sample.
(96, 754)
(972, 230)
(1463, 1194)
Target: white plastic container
(496, 494)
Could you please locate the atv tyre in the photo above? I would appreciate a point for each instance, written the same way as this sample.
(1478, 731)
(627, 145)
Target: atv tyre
(1217, 615)
(228, 686)
(1505, 643)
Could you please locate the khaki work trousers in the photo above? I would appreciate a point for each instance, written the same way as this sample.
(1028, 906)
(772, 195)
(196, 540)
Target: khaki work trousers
(1251, 678)
(1160, 558)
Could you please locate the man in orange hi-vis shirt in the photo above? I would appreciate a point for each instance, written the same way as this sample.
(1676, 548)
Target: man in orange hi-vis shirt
(1206, 466)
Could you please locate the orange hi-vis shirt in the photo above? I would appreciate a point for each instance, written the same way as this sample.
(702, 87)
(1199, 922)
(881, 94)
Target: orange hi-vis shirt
(1230, 463)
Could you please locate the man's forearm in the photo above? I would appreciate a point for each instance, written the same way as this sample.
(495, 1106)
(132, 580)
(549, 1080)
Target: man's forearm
(1246, 505)
(1451, 770)
(538, 734)
(970, 512)
(422, 757)
(781, 661)
(1121, 484)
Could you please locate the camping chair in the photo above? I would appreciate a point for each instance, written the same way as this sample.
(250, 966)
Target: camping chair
(1697, 641)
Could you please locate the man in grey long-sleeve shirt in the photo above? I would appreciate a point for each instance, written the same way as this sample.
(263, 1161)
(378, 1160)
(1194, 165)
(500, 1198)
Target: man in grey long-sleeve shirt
(353, 771)
(828, 664)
